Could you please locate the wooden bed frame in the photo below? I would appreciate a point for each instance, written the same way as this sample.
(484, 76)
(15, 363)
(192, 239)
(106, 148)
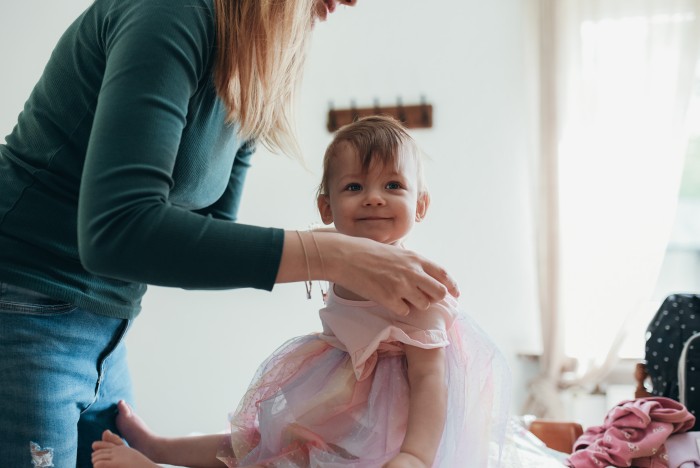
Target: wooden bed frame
(640, 376)
(557, 435)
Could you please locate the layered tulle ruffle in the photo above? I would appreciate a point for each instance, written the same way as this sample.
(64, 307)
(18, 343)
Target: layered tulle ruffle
(306, 407)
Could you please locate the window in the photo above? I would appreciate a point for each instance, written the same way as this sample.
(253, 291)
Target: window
(680, 271)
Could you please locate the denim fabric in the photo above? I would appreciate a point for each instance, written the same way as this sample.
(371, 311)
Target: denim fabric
(62, 371)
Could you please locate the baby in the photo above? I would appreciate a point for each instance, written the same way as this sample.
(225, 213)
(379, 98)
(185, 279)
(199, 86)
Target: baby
(374, 389)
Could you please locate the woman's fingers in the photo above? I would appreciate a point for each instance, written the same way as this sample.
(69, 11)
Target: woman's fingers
(426, 282)
(428, 291)
(418, 299)
(396, 306)
(443, 278)
(410, 282)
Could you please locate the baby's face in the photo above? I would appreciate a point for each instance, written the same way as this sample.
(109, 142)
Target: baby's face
(382, 203)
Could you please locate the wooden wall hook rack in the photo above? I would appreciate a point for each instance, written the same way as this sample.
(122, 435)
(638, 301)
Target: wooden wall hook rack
(412, 116)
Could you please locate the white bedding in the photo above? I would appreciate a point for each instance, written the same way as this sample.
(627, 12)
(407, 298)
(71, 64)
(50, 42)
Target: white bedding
(522, 449)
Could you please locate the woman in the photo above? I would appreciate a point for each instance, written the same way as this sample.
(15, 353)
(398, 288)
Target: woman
(125, 169)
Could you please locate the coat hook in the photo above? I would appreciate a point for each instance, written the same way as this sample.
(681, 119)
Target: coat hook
(332, 121)
(377, 109)
(401, 110)
(353, 109)
(425, 118)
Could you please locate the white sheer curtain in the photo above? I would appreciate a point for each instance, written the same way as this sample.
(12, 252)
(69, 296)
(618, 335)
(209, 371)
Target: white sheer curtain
(615, 83)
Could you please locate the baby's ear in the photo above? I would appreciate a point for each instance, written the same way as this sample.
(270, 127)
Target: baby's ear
(422, 206)
(324, 208)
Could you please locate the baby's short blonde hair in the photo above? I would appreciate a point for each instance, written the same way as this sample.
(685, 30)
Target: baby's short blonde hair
(377, 139)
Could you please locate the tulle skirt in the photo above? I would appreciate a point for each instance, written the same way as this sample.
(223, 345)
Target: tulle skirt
(305, 407)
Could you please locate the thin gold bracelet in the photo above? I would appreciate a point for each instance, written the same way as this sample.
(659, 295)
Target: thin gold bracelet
(307, 284)
(324, 294)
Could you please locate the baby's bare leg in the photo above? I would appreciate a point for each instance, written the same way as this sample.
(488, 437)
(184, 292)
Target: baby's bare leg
(111, 452)
(427, 408)
(198, 451)
(138, 434)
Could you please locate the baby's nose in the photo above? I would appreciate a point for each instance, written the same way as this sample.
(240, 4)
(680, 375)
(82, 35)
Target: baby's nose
(374, 198)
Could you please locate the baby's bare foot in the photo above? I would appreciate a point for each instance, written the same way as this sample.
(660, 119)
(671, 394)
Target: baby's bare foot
(111, 452)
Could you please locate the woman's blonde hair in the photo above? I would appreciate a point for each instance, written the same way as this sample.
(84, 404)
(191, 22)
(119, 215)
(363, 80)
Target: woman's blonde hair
(376, 139)
(261, 49)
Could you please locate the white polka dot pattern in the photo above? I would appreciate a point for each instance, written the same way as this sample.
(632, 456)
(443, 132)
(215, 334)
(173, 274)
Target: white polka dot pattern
(673, 351)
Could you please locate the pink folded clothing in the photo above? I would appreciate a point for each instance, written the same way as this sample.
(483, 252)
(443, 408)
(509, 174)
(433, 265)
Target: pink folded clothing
(633, 434)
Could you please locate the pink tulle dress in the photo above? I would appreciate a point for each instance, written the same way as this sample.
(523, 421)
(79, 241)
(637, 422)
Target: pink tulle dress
(340, 398)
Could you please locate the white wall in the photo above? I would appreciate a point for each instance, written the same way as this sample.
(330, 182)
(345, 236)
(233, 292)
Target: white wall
(193, 353)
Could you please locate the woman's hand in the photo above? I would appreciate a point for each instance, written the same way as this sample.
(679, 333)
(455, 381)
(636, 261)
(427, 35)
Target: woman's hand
(392, 276)
(389, 275)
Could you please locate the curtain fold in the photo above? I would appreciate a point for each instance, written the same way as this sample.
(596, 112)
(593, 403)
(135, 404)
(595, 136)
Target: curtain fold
(616, 78)
(543, 399)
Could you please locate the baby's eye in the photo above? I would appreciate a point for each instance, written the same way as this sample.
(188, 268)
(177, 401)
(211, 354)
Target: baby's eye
(353, 187)
(393, 185)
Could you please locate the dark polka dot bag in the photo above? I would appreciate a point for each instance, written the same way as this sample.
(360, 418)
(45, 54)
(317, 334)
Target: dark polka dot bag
(672, 351)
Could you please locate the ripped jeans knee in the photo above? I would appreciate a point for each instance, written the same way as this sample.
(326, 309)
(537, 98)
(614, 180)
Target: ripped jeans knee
(41, 457)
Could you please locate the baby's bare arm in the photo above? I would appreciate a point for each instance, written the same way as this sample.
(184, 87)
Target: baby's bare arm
(428, 403)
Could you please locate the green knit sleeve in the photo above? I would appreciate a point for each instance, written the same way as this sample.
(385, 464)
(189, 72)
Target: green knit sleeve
(158, 53)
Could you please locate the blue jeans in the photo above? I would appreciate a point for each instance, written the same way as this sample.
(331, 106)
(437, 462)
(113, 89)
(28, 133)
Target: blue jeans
(62, 371)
